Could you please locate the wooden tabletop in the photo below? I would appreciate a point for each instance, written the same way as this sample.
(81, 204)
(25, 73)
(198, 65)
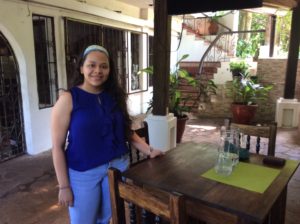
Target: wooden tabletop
(180, 170)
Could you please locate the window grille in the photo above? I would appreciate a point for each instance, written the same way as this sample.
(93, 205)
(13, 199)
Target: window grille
(80, 34)
(45, 58)
(150, 57)
(12, 139)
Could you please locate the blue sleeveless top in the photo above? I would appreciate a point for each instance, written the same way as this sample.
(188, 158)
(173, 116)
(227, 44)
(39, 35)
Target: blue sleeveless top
(96, 131)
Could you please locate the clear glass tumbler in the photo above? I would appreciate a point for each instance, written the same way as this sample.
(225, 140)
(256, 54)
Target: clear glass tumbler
(230, 144)
(224, 164)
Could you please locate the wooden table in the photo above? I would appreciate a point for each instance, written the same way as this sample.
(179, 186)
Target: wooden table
(211, 201)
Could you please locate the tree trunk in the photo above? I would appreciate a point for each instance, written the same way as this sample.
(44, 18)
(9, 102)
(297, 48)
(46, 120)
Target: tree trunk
(267, 33)
(242, 23)
(248, 25)
(245, 24)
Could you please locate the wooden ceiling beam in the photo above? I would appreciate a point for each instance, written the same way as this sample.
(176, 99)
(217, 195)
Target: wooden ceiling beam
(283, 4)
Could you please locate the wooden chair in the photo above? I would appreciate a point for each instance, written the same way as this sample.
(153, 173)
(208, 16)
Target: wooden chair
(171, 207)
(134, 155)
(265, 131)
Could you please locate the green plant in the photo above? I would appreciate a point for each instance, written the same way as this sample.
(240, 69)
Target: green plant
(206, 88)
(238, 67)
(177, 103)
(215, 18)
(283, 28)
(248, 44)
(246, 90)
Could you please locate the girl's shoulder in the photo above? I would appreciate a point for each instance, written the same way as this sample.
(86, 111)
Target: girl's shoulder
(65, 95)
(64, 100)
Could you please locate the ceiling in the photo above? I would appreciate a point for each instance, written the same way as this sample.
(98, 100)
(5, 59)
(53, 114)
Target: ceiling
(139, 3)
(270, 3)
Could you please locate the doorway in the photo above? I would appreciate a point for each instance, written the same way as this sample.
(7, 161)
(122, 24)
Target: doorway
(12, 140)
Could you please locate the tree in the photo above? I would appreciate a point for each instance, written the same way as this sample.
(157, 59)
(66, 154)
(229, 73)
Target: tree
(283, 28)
(248, 45)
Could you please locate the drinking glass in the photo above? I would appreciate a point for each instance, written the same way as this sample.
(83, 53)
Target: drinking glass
(224, 164)
(230, 144)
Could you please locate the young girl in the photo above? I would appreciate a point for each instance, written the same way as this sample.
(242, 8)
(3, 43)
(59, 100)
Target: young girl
(93, 117)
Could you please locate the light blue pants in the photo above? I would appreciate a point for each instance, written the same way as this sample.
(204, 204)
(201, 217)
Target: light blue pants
(91, 193)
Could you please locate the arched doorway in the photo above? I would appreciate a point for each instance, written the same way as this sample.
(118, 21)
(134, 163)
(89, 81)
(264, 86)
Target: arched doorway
(12, 140)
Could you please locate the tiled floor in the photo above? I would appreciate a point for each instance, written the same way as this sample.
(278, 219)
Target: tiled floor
(28, 189)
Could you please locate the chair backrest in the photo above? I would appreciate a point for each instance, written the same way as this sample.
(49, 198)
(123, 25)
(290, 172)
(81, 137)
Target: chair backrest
(134, 155)
(264, 131)
(170, 207)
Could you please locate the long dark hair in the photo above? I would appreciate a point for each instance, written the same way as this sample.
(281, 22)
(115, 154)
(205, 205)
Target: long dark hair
(113, 87)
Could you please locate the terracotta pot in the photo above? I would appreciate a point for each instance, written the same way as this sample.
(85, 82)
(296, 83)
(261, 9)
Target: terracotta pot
(243, 114)
(181, 121)
(213, 28)
(206, 27)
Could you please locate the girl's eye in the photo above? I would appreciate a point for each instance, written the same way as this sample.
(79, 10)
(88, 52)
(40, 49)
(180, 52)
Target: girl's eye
(104, 66)
(100, 66)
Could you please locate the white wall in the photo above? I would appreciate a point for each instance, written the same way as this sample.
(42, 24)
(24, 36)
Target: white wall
(192, 46)
(196, 47)
(16, 25)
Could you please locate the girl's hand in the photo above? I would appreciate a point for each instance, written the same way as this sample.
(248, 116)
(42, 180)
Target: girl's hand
(65, 197)
(155, 152)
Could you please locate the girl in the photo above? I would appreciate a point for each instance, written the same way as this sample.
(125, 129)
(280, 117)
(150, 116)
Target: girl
(93, 117)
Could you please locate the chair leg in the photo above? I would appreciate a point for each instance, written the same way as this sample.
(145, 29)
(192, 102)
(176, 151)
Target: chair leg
(117, 203)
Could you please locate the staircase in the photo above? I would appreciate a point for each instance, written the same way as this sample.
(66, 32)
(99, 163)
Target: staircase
(208, 71)
(219, 51)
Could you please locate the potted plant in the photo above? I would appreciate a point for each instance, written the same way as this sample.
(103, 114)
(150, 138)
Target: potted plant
(177, 103)
(207, 88)
(246, 92)
(213, 27)
(238, 67)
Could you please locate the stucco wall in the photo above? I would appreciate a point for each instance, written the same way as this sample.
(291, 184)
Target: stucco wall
(269, 71)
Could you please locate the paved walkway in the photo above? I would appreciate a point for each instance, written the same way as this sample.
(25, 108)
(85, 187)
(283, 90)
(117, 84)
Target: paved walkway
(28, 189)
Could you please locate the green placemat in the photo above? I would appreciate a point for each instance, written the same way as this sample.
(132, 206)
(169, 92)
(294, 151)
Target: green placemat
(248, 176)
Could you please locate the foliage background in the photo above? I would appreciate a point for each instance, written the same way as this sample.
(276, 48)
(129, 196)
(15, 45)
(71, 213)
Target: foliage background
(248, 45)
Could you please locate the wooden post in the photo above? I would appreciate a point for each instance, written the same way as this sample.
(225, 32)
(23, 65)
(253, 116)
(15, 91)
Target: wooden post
(272, 35)
(292, 63)
(161, 61)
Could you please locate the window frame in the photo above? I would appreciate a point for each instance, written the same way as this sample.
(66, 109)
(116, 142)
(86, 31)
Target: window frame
(45, 50)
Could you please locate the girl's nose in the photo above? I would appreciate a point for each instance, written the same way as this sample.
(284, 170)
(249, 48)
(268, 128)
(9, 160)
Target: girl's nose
(98, 69)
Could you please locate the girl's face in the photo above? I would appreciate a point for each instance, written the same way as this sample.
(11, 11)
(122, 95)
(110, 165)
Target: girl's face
(95, 70)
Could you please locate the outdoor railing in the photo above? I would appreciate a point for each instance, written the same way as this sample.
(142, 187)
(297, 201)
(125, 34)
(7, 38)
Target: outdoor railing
(222, 48)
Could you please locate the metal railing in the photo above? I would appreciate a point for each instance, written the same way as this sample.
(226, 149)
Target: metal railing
(222, 48)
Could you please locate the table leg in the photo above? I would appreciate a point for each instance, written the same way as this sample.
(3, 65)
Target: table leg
(277, 214)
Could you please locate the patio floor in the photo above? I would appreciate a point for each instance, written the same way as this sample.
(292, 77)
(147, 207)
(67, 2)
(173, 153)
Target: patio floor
(28, 189)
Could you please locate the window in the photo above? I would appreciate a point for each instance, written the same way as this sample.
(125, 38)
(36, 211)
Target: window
(135, 61)
(127, 49)
(45, 58)
(138, 61)
(150, 62)
(80, 34)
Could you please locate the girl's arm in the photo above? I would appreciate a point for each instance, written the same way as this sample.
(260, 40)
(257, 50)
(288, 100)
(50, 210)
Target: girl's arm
(60, 120)
(143, 147)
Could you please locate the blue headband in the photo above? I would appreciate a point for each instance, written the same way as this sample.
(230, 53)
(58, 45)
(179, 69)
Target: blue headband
(95, 48)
